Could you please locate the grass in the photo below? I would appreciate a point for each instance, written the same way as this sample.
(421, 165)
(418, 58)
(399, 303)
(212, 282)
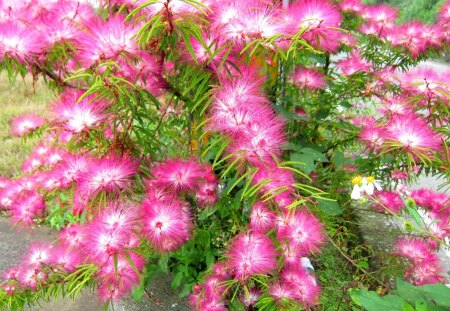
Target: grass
(16, 98)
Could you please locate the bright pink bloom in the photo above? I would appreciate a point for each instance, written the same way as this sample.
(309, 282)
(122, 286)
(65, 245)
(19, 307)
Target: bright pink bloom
(305, 288)
(26, 124)
(428, 272)
(110, 174)
(121, 216)
(71, 236)
(19, 41)
(353, 64)
(31, 276)
(354, 6)
(301, 230)
(114, 283)
(177, 174)
(252, 253)
(416, 250)
(308, 79)
(318, 19)
(73, 167)
(78, 116)
(27, 208)
(380, 16)
(433, 201)
(388, 200)
(373, 135)
(413, 134)
(66, 259)
(281, 291)
(166, 224)
(106, 40)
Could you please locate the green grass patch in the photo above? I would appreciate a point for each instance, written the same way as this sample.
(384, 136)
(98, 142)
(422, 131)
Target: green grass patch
(16, 98)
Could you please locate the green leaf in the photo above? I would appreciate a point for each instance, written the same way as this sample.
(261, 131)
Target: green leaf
(138, 293)
(372, 302)
(439, 293)
(304, 162)
(329, 207)
(176, 281)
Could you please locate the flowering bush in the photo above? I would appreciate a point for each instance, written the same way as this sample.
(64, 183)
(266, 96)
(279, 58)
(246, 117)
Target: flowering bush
(220, 139)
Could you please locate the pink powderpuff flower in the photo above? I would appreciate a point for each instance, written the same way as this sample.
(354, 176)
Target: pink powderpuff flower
(252, 253)
(4, 182)
(308, 79)
(121, 216)
(178, 174)
(27, 208)
(26, 124)
(373, 135)
(353, 64)
(274, 180)
(102, 243)
(250, 297)
(381, 16)
(428, 272)
(204, 52)
(348, 40)
(72, 236)
(388, 200)
(433, 201)
(399, 175)
(32, 163)
(76, 11)
(121, 277)
(106, 40)
(52, 180)
(175, 8)
(261, 218)
(302, 230)
(19, 41)
(65, 259)
(206, 193)
(78, 116)
(73, 167)
(11, 273)
(318, 19)
(281, 291)
(214, 287)
(353, 6)
(426, 82)
(395, 106)
(166, 225)
(31, 277)
(304, 285)
(110, 174)
(444, 12)
(413, 134)
(416, 250)
(38, 253)
(259, 142)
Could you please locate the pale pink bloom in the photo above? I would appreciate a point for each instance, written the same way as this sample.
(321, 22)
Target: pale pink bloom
(71, 236)
(373, 135)
(353, 64)
(429, 272)
(388, 200)
(348, 39)
(31, 276)
(382, 16)
(301, 230)
(19, 41)
(106, 40)
(261, 218)
(400, 175)
(110, 174)
(26, 124)
(54, 156)
(206, 193)
(252, 253)
(416, 250)
(318, 19)
(177, 8)
(38, 253)
(119, 279)
(78, 116)
(354, 6)
(178, 174)
(73, 167)
(27, 208)
(66, 259)
(305, 288)
(166, 224)
(102, 243)
(250, 297)
(122, 216)
(444, 12)
(258, 142)
(426, 82)
(413, 134)
(280, 291)
(308, 79)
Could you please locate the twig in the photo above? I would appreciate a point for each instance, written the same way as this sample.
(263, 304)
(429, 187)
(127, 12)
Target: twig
(354, 263)
(58, 79)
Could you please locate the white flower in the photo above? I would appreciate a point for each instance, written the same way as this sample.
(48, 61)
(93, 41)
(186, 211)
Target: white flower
(364, 184)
